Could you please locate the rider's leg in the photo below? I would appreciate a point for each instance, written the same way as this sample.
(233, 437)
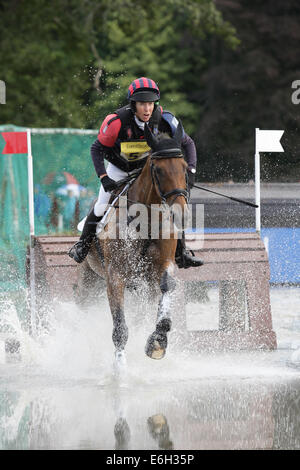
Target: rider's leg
(81, 248)
(183, 258)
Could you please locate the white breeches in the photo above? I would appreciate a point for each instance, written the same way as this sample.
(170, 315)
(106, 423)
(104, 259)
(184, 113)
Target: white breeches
(115, 174)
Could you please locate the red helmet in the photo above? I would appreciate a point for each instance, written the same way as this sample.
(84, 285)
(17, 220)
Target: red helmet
(143, 89)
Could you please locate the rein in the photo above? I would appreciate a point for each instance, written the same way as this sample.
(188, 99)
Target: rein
(162, 155)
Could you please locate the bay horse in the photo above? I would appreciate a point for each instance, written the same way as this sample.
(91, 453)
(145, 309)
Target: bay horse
(162, 181)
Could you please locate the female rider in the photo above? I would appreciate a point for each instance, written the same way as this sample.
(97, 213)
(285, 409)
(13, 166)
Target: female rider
(121, 141)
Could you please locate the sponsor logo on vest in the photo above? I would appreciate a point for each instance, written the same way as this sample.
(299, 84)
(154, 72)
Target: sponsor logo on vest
(134, 150)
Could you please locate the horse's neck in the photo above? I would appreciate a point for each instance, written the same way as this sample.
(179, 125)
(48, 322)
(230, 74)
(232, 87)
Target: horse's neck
(143, 190)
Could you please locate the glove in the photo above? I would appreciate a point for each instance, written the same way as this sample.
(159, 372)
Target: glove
(108, 184)
(191, 179)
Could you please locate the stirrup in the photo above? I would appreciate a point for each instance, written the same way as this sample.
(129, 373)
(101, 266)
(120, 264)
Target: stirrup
(80, 250)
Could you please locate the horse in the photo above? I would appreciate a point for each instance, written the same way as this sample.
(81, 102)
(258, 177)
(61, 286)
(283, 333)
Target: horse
(162, 182)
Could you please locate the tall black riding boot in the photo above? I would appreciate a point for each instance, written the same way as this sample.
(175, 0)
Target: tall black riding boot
(81, 248)
(183, 258)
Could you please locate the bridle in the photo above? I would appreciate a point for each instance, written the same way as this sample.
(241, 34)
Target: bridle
(163, 154)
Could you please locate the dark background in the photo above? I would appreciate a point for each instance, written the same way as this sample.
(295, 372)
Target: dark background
(224, 67)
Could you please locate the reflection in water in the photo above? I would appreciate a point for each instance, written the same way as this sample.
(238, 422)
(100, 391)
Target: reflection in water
(255, 415)
(286, 412)
(159, 430)
(122, 434)
(62, 394)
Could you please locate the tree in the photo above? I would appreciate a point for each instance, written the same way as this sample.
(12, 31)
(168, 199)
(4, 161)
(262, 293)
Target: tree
(250, 87)
(168, 45)
(67, 63)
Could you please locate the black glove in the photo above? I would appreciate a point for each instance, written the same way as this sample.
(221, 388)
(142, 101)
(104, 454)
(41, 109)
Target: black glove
(191, 179)
(108, 184)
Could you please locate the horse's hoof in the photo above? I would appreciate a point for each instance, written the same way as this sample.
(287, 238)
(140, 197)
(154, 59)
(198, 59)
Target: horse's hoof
(156, 345)
(120, 362)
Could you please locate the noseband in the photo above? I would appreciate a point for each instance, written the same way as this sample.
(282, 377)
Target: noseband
(163, 154)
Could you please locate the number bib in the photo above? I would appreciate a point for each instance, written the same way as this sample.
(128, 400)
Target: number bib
(134, 150)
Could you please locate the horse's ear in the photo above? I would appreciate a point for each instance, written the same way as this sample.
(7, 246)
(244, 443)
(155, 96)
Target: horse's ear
(178, 136)
(150, 137)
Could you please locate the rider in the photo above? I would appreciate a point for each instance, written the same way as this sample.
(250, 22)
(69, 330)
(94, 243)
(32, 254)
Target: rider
(121, 141)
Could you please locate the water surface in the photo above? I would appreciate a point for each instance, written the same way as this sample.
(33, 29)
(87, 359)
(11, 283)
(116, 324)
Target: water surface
(61, 392)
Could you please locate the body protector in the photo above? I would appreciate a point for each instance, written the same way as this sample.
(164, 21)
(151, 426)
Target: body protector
(124, 140)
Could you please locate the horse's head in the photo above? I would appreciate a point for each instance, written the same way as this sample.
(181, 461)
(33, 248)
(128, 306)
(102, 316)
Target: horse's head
(168, 171)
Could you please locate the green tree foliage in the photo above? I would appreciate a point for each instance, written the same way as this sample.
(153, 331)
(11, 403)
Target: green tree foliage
(224, 67)
(251, 87)
(162, 40)
(67, 63)
(44, 60)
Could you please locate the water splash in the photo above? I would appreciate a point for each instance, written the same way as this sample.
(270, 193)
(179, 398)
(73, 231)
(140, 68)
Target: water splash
(65, 377)
(76, 344)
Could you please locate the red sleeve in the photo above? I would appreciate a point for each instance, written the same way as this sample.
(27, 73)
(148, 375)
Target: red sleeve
(108, 133)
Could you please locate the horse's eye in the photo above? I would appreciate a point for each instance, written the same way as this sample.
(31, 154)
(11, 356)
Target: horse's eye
(159, 170)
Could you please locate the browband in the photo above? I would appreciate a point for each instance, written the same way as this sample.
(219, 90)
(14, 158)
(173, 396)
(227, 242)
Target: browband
(167, 153)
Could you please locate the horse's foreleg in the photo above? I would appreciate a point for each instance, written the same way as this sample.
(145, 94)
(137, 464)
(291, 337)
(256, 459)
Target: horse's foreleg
(115, 292)
(167, 286)
(157, 342)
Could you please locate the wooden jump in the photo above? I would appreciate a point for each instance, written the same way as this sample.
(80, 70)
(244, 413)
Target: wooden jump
(237, 261)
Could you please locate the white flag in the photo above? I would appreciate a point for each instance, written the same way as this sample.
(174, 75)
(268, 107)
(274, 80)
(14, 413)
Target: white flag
(268, 141)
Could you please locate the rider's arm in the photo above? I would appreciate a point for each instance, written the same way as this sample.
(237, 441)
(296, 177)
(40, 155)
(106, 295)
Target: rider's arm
(190, 151)
(98, 155)
(106, 139)
(187, 142)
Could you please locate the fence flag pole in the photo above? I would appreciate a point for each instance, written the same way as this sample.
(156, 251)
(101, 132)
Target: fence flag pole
(257, 192)
(265, 141)
(20, 143)
(30, 185)
(31, 227)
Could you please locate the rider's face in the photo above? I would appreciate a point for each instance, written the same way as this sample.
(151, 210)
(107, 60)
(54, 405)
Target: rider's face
(144, 110)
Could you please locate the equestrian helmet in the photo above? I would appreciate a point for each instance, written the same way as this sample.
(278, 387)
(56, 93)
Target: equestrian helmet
(143, 89)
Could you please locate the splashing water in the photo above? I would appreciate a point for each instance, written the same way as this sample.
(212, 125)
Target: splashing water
(62, 393)
(77, 343)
